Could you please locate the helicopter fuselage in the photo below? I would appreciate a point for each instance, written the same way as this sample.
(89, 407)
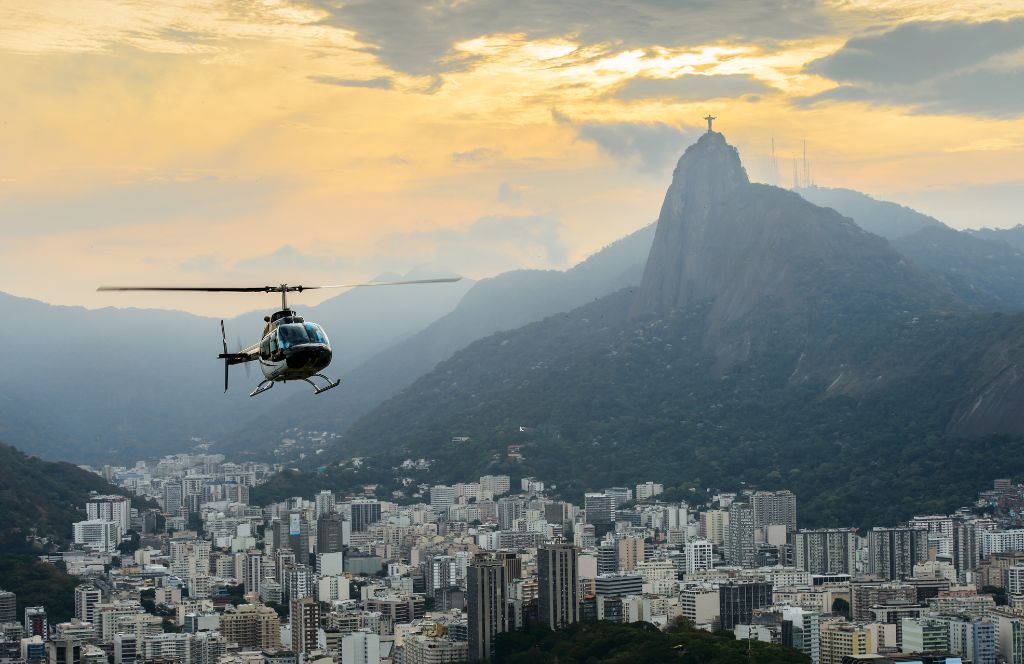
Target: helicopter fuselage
(293, 349)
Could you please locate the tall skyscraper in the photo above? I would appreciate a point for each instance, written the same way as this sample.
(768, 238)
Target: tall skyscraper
(825, 551)
(305, 623)
(509, 509)
(254, 564)
(600, 508)
(487, 604)
(87, 596)
(893, 552)
(740, 547)
(173, 496)
(330, 533)
(737, 601)
(365, 512)
(35, 622)
(251, 626)
(8, 607)
(774, 508)
(324, 504)
(360, 648)
(110, 508)
(699, 555)
(558, 585)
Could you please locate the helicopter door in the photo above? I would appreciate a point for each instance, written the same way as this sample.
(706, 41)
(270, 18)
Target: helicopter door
(276, 354)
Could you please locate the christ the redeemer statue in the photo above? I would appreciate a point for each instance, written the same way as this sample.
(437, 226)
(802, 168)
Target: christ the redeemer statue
(709, 118)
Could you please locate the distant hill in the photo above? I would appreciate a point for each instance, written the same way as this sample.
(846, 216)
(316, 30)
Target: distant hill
(42, 498)
(1012, 236)
(984, 267)
(890, 220)
(984, 270)
(505, 302)
(771, 342)
(121, 384)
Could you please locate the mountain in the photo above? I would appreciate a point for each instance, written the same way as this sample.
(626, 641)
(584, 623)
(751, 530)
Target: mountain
(42, 498)
(984, 266)
(772, 342)
(1012, 236)
(890, 220)
(119, 384)
(984, 270)
(507, 301)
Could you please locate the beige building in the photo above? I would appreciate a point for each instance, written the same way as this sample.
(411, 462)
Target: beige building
(421, 649)
(631, 552)
(252, 626)
(840, 638)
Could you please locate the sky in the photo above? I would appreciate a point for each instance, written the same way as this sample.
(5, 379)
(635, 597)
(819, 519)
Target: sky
(326, 141)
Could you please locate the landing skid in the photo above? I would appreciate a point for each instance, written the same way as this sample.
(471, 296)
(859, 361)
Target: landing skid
(262, 387)
(329, 386)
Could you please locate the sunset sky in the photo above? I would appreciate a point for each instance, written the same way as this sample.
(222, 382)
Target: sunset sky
(243, 143)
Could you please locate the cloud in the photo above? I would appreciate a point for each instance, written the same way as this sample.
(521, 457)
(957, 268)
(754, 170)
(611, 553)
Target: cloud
(380, 83)
(509, 195)
(647, 148)
(692, 87)
(490, 245)
(475, 155)
(143, 202)
(288, 258)
(934, 67)
(416, 36)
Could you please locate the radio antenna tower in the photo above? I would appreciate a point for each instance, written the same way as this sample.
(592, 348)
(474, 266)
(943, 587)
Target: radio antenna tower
(807, 171)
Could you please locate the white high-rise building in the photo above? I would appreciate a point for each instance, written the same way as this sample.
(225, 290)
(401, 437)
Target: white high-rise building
(87, 597)
(110, 508)
(648, 490)
(1000, 541)
(699, 555)
(495, 485)
(676, 517)
(360, 648)
(97, 534)
(442, 497)
(324, 503)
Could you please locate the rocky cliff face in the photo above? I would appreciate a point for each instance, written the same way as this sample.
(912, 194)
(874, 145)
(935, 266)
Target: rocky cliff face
(738, 247)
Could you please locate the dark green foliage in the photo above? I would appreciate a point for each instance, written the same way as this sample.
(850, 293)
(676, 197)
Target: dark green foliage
(613, 402)
(998, 594)
(41, 498)
(639, 642)
(37, 583)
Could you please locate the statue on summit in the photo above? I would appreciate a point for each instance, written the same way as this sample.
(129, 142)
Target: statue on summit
(710, 118)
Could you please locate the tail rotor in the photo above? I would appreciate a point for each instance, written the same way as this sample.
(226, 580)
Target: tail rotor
(224, 343)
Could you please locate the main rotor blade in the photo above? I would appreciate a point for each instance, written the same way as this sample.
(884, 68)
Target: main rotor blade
(273, 289)
(216, 289)
(386, 283)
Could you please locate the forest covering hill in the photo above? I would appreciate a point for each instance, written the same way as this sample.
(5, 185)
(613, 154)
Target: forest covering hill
(771, 343)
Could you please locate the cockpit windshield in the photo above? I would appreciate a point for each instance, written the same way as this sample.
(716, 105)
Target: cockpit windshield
(316, 334)
(295, 334)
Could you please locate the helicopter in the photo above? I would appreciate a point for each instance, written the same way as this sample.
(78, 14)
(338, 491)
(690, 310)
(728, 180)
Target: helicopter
(291, 348)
